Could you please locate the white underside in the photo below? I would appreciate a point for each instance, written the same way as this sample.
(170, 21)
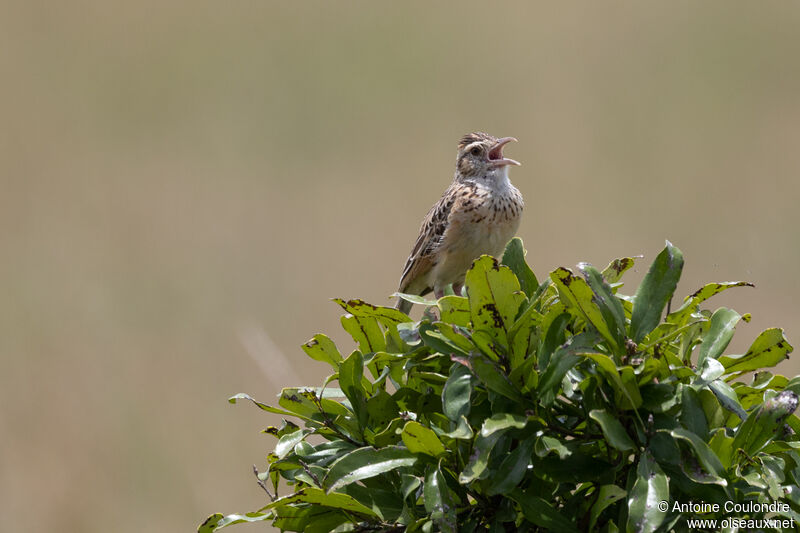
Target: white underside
(465, 240)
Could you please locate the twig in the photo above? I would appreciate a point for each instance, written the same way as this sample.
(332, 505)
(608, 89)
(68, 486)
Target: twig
(262, 484)
(311, 474)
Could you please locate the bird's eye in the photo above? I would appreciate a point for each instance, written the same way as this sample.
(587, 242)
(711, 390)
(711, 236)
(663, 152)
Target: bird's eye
(476, 151)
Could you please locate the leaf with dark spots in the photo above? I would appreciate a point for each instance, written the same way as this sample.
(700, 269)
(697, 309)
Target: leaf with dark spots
(306, 403)
(613, 272)
(770, 348)
(454, 310)
(366, 332)
(494, 297)
(579, 296)
(691, 302)
(492, 310)
(287, 427)
(385, 315)
(322, 348)
(610, 306)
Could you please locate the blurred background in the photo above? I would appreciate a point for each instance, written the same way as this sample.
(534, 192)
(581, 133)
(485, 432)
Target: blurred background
(185, 185)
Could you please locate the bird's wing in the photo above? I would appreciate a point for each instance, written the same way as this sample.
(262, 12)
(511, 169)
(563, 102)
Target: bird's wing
(423, 256)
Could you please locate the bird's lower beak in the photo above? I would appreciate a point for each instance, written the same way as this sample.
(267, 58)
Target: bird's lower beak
(496, 157)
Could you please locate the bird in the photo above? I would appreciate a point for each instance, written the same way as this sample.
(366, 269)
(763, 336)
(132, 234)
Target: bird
(478, 214)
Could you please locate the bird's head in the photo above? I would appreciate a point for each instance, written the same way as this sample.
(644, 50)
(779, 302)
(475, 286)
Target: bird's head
(480, 154)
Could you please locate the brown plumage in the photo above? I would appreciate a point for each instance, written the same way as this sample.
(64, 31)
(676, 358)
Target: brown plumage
(478, 214)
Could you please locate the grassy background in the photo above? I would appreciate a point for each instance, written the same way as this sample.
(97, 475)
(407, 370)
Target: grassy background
(186, 184)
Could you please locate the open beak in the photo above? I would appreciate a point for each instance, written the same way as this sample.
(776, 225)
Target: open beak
(496, 158)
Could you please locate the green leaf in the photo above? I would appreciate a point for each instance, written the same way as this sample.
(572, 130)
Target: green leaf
(366, 332)
(217, 521)
(704, 454)
(502, 422)
(309, 518)
(410, 484)
(434, 339)
(545, 445)
(385, 315)
(650, 488)
(613, 272)
(709, 371)
(381, 409)
(564, 358)
(764, 423)
(453, 335)
(542, 513)
(523, 334)
(553, 332)
(727, 398)
(719, 334)
(302, 402)
(414, 299)
(702, 294)
(610, 307)
(457, 392)
(264, 407)
(612, 429)
(335, 500)
(286, 427)
(438, 501)
(577, 294)
(389, 317)
(351, 371)
(722, 446)
(692, 415)
(419, 439)
(388, 435)
(321, 348)
(365, 463)
(382, 498)
(577, 467)
(769, 349)
(493, 377)
(494, 296)
(655, 291)
(512, 469)
(287, 443)
(514, 258)
(477, 468)
(463, 430)
(606, 495)
(627, 392)
(455, 310)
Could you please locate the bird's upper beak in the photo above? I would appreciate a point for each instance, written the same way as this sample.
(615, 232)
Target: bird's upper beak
(496, 158)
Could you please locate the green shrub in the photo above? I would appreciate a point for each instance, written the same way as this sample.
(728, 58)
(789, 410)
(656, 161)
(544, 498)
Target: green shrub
(527, 406)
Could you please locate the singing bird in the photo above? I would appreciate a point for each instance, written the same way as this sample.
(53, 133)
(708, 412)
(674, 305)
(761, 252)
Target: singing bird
(478, 214)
